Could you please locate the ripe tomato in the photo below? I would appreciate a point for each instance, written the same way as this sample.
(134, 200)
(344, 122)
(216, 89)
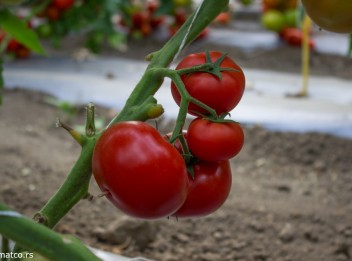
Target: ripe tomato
(13, 46)
(52, 13)
(220, 94)
(212, 141)
(208, 190)
(143, 174)
(294, 37)
(331, 15)
(63, 4)
(23, 52)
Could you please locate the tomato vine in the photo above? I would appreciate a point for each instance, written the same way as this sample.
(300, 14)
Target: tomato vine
(140, 106)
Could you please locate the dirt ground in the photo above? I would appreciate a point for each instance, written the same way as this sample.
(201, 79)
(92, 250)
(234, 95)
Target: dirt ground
(291, 198)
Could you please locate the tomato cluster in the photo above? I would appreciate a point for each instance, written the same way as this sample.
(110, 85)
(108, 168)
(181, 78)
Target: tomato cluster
(15, 48)
(147, 175)
(212, 142)
(56, 8)
(51, 16)
(280, 16)
(141, 20)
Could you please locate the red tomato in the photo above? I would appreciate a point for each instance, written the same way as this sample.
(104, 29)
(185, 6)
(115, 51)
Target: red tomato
(52, 13)
(208, 190)
(139, 19)
(13, 46)
(294, 37)
(223, 18)
(331, 15)
(22, 52)
(152, 6)
(212, 141)
(180, 16)
(63, 4)
(220, 94)
(143, 174)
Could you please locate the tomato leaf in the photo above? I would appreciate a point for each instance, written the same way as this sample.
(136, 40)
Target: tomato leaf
(19, 30)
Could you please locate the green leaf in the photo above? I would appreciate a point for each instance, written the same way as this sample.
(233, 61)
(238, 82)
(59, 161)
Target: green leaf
(19, 30)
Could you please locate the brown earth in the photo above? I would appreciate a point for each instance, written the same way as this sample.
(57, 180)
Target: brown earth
(291, 198)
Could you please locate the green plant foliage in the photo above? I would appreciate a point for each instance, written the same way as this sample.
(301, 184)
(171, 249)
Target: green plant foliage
(20, 31)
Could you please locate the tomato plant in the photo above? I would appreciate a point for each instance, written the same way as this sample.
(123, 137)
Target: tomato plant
(143, 175)
(222, 92)
(208, 190)
(213, 141)
(139, 171)
(331, 15)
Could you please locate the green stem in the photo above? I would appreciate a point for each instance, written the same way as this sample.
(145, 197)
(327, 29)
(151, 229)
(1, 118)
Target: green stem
(40, 239)
(186, 98)
(90, 123)
(5, 247)
(73, 189)
(198, 68)
(148, 85)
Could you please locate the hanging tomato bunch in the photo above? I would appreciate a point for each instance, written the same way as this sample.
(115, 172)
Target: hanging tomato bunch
(140, 20)
(15, 48)
(144, 173)
(281, 16)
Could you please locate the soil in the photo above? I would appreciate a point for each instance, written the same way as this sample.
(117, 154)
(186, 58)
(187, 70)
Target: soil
(291, 198)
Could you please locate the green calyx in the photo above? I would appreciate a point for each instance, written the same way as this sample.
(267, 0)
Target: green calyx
(220, 118)
(215, 69)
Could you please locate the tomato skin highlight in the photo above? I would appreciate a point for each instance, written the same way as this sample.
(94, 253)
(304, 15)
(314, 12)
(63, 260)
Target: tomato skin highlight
(331, 15)
(212, 141)
(144, 175)
(208, 190)
(221, 95)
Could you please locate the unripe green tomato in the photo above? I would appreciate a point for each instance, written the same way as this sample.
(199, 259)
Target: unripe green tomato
(44, 30)
(273, 20)
(291, 17)
(331, 15)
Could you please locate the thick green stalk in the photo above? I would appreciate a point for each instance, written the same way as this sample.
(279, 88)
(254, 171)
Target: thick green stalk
(76, 184)
(5, 247)
(40, 239)
(72, 190)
